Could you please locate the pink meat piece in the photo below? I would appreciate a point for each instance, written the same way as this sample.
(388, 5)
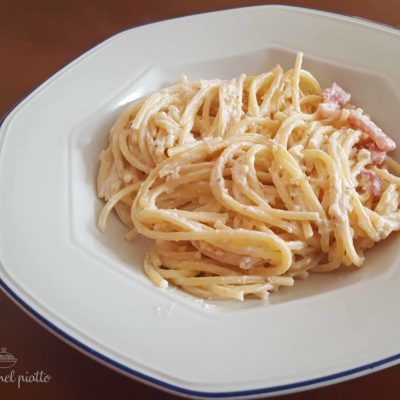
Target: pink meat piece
(334, 99)
(375, 182)
(336, 95)
(382, 141)
(377, 156)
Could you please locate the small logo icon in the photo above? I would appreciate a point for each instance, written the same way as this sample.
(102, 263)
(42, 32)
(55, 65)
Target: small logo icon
(7, 360)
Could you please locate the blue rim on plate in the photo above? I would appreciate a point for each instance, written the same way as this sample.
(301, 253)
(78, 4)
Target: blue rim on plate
(103, 359)
(180, 390)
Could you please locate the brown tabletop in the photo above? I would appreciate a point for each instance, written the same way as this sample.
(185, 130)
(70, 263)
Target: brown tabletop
(39, 37)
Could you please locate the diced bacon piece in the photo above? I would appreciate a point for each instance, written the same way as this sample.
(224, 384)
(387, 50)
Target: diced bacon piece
(383, 142)
(377, 156)
(336, 95)
(334, 99)
(375, 182)
(329, 110)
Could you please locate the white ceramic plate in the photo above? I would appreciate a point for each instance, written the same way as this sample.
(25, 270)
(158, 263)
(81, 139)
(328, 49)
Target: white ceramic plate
(89, 288)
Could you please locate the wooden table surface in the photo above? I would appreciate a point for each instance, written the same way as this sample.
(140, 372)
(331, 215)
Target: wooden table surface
(39, 37)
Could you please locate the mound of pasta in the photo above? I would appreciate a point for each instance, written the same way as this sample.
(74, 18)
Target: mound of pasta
(247, 184)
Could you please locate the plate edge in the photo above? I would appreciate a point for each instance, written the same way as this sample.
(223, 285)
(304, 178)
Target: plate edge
(182, 391)
(137, 375)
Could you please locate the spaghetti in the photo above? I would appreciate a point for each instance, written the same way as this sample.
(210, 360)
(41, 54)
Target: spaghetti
(247, 184)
